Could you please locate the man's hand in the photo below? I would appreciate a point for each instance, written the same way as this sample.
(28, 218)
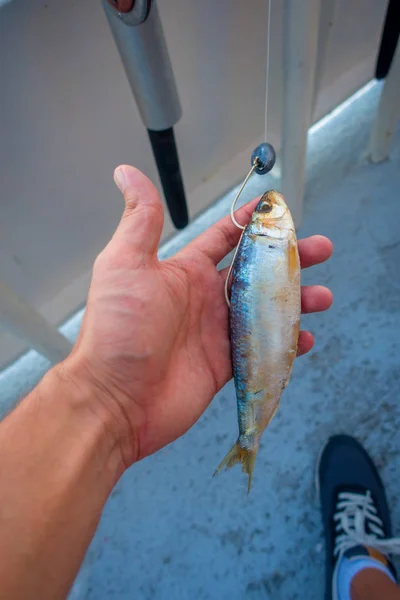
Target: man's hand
(154, 341)
(152, 352)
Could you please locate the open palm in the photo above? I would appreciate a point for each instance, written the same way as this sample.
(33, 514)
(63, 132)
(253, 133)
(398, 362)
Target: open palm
(155, 334)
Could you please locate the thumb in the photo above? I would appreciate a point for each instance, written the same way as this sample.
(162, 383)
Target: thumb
(143, 218)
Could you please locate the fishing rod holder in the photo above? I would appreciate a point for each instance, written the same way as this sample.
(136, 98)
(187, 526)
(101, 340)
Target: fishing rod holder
(139, 37)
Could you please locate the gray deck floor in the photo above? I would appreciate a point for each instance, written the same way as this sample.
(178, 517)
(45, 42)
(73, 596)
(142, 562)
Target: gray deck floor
(170, 532)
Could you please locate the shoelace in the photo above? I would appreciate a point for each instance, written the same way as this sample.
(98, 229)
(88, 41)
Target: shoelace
(353, 513)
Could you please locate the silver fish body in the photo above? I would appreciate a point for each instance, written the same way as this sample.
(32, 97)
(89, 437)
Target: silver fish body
(265, 308)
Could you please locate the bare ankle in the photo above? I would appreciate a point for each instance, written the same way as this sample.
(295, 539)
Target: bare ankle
(373, 584)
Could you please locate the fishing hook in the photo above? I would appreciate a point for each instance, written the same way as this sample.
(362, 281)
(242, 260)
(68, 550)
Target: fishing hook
(262, 160)
(249, 174)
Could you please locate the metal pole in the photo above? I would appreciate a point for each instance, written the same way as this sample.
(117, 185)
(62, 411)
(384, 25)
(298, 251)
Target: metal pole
(327, 18)
(139, 37)
(387, 114)
(146, 61)
(300, 57)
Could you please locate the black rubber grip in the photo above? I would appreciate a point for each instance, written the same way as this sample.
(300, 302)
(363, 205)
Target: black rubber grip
(389, 40)
(166, 156)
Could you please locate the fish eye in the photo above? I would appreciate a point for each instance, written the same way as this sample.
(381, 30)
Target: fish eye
(264, 207)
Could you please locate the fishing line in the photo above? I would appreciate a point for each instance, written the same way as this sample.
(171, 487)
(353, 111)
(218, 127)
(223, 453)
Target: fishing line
(267, 70)
(262, 159)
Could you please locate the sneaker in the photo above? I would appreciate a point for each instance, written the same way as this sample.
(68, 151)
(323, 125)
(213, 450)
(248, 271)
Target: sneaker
(354, 508)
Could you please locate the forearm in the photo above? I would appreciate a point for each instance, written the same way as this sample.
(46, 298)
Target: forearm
(59, 460)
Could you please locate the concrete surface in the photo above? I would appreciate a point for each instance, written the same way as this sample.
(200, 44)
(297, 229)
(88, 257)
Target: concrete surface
(170, 532)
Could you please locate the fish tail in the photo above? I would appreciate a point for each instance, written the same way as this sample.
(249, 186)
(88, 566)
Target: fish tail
(246, 458)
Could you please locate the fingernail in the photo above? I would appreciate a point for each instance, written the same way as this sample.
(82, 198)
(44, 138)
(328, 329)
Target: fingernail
(119, 178)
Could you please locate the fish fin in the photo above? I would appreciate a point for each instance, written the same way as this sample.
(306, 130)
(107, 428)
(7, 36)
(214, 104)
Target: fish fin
(246, 458)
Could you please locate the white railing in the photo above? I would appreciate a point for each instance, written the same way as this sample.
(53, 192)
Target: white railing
(24, 321)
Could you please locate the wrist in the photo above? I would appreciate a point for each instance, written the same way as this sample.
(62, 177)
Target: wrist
(97, 409)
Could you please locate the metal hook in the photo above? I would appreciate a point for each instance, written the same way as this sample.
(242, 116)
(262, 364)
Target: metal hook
(242, 227)
(262, 159)
(249, 174)
(230, 271)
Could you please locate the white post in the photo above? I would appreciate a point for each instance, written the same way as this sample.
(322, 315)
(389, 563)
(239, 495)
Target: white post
(301, 22)
(326, 20)
(25, 322)
(387, 114)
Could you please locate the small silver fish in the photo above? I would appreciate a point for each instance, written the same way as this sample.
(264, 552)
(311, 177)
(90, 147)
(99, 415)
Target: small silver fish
(265, 308)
